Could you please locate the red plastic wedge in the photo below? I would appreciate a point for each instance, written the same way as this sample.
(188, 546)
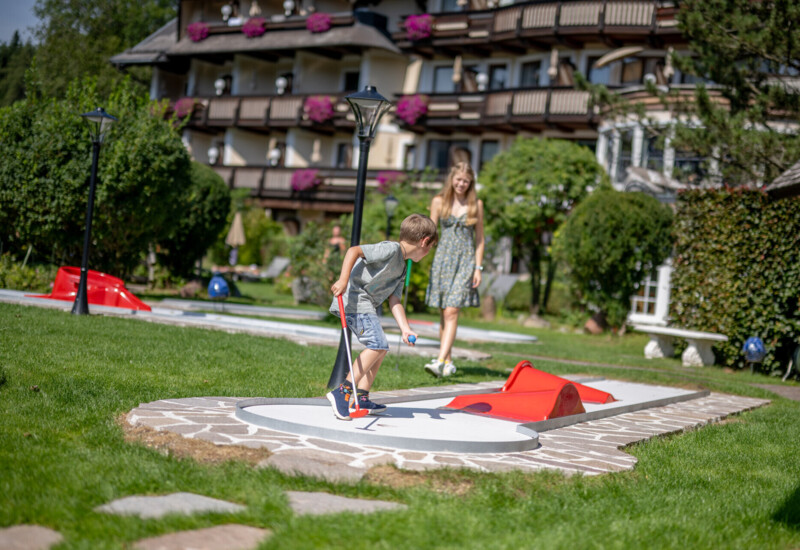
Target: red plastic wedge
(101, 289)
(530, 395)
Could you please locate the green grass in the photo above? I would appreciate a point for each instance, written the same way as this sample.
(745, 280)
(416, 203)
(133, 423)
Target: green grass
(62, 453)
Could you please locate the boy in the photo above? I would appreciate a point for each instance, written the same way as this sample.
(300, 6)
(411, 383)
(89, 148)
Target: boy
(370, 274)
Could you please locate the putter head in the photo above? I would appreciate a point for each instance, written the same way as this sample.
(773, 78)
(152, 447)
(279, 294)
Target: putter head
(358, 413)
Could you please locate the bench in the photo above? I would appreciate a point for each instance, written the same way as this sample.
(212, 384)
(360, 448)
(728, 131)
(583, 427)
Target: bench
(698, 352)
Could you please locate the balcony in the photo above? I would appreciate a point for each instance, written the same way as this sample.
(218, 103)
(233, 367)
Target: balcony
(510, 111)
(270, 113)
(542, 25)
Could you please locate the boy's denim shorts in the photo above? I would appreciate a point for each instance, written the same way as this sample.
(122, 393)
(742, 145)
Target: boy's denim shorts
(367, 328)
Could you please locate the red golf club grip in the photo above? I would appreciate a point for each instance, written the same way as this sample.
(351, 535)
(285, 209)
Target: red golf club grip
(341, 311)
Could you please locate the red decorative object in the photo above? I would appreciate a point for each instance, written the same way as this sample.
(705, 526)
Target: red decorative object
(318, 108)
(255, 26)
(183, 107)
(418, 27)
(101, 289)
(388, 178)
(410, 108)
(319, 22)
(197, 31)
(306, 179)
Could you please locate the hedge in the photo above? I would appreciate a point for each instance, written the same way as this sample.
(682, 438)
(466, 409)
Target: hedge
(737, 271)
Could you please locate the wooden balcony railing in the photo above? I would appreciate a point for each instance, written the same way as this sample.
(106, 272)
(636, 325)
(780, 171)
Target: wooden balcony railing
(543, 24)
(275, 23)
(532, 109)
(273, 112)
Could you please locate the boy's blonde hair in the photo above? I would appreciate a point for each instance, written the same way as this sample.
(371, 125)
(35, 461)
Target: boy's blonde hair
(448, 193)
(416, 227)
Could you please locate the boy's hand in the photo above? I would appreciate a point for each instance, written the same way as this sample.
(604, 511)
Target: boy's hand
(339, 287)
(409, 338)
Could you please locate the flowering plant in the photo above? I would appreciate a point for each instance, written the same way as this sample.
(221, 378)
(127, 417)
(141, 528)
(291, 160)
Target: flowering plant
(388, 178)
(255, 26)
(418, 26)
(306, 179)
(197, 31)
(411, 108)
(183, 107)
(318, 108)
(319, 22)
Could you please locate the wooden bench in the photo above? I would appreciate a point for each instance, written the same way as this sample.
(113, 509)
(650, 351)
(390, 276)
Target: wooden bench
(698, 352)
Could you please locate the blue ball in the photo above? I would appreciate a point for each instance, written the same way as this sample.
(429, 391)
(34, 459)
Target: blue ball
(412, 339)
(754, 350)
(218, 287)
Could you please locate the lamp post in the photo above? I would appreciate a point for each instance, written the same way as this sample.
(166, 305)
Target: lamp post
(100, 122)
(390, 204)
(368, 107)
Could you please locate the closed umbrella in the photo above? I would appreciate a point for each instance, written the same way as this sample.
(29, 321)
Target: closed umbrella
(235, 237)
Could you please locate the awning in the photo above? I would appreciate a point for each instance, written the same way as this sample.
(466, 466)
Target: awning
(619, 53)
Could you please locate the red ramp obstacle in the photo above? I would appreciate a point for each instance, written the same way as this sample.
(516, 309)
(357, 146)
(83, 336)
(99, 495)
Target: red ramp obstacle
(531, 395)
(101, 289)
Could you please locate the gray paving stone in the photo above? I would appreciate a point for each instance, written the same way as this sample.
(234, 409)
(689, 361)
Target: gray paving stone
(313, 463)
(221, 537)
(324, 503)
(28, 537)
(147, 507)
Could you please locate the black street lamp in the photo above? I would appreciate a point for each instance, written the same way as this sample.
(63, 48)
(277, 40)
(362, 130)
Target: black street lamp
(368, 107)
(99, 122)
(390, 204)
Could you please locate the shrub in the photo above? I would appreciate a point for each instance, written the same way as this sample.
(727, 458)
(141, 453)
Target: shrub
(612, 241)
(13, 275)
(737, 271)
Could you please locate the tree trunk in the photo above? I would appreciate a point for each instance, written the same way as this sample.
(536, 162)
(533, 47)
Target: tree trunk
(551, 271)
(535, 267)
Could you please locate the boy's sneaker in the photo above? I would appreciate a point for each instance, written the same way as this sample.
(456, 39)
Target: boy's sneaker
(448, 369)
(365, 403)
(340, 401)
(435, 368)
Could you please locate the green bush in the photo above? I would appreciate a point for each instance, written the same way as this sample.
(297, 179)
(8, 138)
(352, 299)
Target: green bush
(737, 271)
(36, 278)
(611, 241)
(518, 298)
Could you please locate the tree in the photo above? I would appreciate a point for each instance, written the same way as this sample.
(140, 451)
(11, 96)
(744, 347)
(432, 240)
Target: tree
(611, 241)
(15, 58)
(203, 214)
(45, 160)
(97, 29)
(528, 191)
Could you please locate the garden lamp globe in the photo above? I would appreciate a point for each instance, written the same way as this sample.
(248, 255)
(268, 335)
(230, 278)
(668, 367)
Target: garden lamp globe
(368, 107)
(100, 122)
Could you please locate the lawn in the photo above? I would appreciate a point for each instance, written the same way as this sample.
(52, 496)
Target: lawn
(65, 380)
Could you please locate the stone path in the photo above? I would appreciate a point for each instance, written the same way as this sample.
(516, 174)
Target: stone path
(592, 447)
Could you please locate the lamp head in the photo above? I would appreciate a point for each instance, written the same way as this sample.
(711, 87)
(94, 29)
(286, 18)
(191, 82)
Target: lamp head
(390, 204)
(274, 156)
(226, 10)
(219, 85)
(100, 121)
(368, 107)
(280, 84)
(213, 154)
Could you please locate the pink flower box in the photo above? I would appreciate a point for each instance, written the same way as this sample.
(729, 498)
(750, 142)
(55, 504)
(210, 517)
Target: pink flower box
(183, 107)
(197, 31)
(418, 27)
(254, 27)
(410, 108)
(388, 178)
(306, 179)
(319, 22)
(318, 108)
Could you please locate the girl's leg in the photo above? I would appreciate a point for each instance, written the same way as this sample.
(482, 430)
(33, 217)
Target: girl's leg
(366, 367)
(447, 332)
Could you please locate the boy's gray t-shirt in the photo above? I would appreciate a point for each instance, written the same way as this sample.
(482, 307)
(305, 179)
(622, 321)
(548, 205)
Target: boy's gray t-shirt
(374, 278)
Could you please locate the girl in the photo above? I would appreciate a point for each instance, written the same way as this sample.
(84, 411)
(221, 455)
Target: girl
(458, 263)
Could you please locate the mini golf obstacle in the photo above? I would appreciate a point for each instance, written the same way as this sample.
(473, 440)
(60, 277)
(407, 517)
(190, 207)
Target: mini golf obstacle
(101, 289)
(465, 419)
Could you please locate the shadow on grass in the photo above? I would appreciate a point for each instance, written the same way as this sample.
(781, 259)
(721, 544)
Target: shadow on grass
(789, 512)
(480, 371)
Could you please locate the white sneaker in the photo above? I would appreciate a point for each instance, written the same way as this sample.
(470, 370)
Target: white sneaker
(435, 368)
(448, 369)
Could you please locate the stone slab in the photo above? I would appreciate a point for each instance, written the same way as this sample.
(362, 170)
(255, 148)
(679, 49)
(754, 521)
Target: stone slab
(221, 537)
(147, 507)
(318, 504)
(28, 537)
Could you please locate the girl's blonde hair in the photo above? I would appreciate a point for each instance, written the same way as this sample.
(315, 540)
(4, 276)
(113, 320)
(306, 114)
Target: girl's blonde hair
(448, 194)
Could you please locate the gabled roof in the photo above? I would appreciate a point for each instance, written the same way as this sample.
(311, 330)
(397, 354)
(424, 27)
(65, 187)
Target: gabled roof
(787, 184)
(162, 45)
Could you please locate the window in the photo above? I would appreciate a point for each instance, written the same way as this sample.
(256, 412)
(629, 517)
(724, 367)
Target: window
(529, 77)
(440, 152)
(451, 5)
(443, 80)
(489, 148)
(601, 75)
(653, 152)
(409, 157)
(344, 155)
(497, 77)
(351, 81)
(625, 158)
(688, 167)
(632, 71)
(644, 301)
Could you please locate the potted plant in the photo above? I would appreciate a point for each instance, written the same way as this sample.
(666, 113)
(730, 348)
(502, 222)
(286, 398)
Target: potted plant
(197, 31)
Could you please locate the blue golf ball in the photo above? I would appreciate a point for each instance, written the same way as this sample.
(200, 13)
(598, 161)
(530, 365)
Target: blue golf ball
(412, 339)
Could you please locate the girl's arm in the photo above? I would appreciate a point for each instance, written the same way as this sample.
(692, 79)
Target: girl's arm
(350, 259)
(479, 245)
(436, 208)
